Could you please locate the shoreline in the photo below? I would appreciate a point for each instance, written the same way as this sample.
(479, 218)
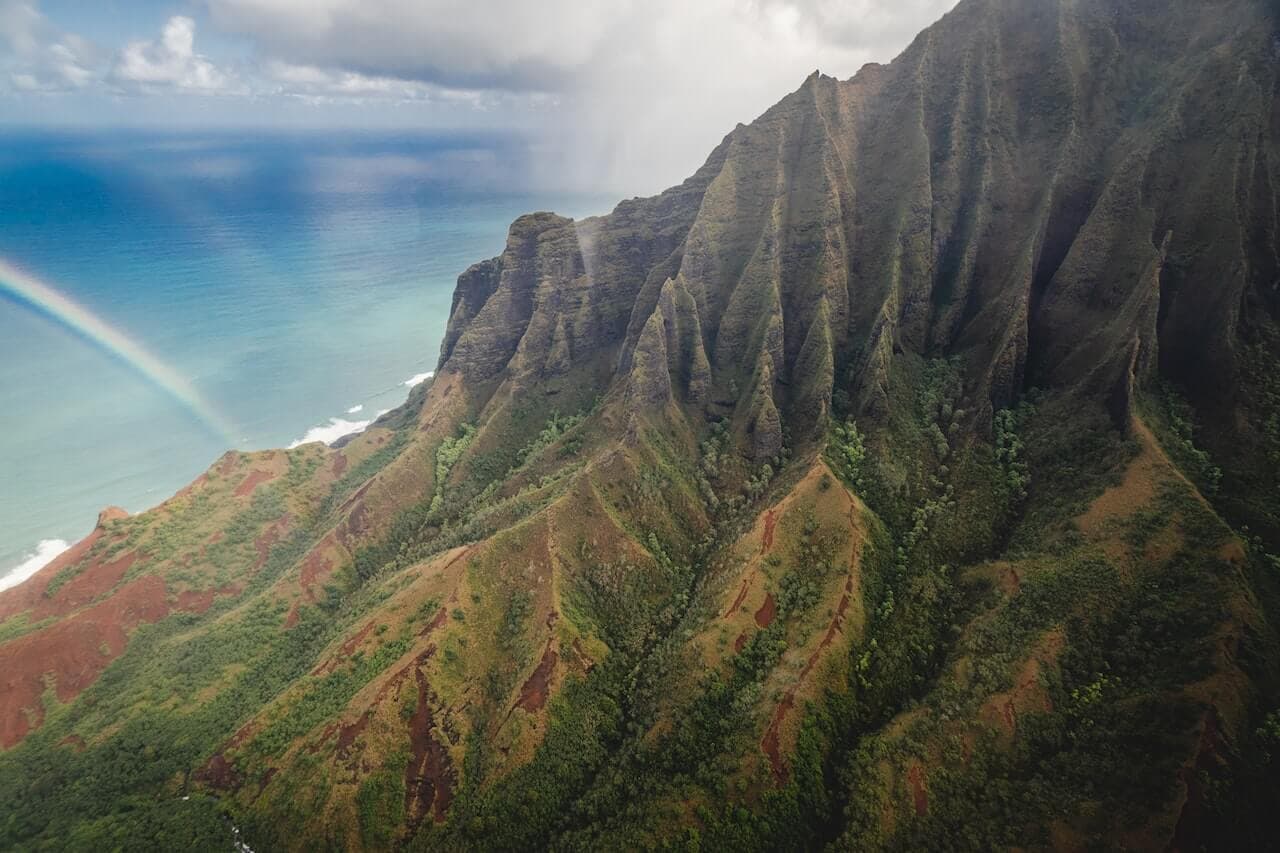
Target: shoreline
(34, 558)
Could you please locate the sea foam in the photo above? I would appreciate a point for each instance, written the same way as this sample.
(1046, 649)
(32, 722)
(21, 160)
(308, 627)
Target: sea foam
(418, 379)
(356, 409)
(331, 432)
(45, 553)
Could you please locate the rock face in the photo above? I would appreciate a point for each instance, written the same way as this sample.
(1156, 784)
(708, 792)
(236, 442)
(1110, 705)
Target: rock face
(1043, 190)
(875, 488)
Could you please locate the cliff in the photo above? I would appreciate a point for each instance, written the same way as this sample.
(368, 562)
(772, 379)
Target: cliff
(905, 478)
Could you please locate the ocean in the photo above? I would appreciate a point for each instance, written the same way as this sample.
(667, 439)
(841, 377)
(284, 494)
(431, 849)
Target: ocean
(297, 283)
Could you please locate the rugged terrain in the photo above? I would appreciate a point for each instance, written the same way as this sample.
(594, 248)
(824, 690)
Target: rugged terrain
(905, 478)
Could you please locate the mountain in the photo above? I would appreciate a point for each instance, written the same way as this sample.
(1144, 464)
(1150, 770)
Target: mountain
(905, 478)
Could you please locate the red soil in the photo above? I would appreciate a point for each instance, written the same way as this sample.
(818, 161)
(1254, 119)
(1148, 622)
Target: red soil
(359, 493)
(91, 583)
(73, 651)
(267, 539)
(190, 487)
(347, 734)
(339, 464)
(195, 600)
(27, 595)
(773, 734)
(764, 616)
(292, 618)
(737, 602)
(533, 695)
(219, 773)
(242, 735)
(440, 618)
(252, 481)
(316, 566)
(740, 643)
(344, 651)
(429, 777)
(770, 519)
(355, 525)
(919, 794)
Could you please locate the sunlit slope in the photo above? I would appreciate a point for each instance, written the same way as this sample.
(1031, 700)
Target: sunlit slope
(905, 478)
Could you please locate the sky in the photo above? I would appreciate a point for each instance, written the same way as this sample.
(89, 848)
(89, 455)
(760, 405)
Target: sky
(625, 95)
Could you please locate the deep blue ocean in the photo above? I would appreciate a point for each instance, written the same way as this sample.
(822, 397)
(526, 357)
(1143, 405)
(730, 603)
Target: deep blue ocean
(289, 278)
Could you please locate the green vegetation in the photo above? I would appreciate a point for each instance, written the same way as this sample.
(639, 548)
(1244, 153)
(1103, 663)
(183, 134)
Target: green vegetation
(807, 566)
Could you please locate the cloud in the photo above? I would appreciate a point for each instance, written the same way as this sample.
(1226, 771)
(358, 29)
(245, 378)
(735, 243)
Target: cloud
(624, 96)
(455, 43)
(629, 94)
(170, 62)
(37, 56)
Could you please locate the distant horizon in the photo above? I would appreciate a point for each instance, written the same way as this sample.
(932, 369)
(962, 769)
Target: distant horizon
(299, 281)
(616, 95)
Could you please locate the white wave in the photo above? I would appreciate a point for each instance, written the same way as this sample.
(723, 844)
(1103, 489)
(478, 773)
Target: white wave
(331, 432)
(45, 553)
(356, 409)
(418, 379)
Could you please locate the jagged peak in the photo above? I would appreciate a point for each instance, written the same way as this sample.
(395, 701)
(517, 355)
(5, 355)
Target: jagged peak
(649, 383)
(813, 377)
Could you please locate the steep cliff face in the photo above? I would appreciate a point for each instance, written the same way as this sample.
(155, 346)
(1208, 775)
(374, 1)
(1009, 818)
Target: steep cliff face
(905, 478)
(1042, 189)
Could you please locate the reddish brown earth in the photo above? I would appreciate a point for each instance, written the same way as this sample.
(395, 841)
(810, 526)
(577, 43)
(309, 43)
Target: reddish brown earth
(344, 651)
(347, 734)
(357, 495)
(218, 773)
(773, 734)
(190, 487)
(74, 741)
(355, 525)
(198, 601)
(429, 777)
(919, 794)
(73, 651)
(740, 643)
(27, 595)
(737, 602)
(770, 519)
(252, 482)
(292, 618)
(764, 616)
(267, 539)
(339, 464)
(97, 579)
(837, 624)
(533, 695)
(316, 566)
(242, 735)
(440, 618)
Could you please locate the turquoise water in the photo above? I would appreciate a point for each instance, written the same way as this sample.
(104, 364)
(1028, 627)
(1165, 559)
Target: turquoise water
(290, 279)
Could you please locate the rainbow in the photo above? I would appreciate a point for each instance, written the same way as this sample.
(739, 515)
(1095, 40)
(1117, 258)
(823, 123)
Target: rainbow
(46, 301)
